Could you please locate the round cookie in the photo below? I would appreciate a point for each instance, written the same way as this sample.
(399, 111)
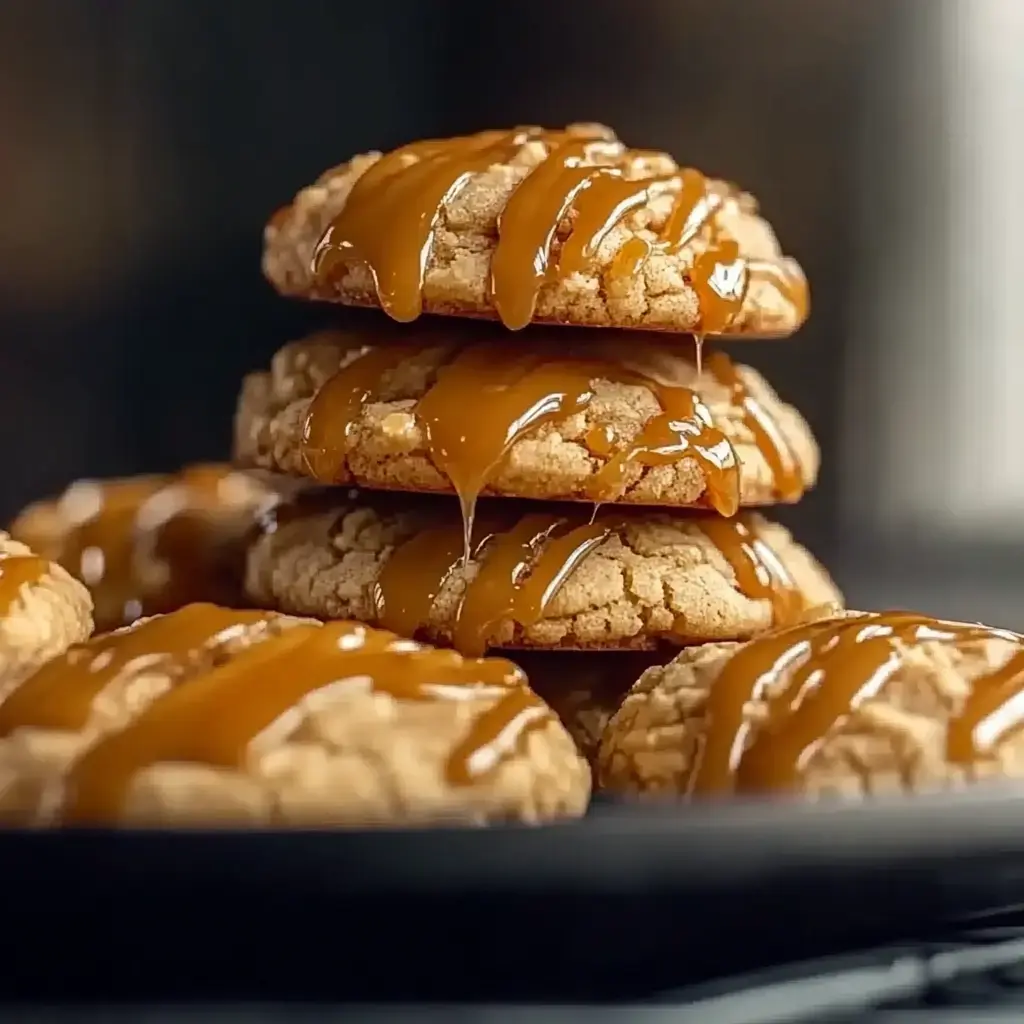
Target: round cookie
(845, 706)
(613, 419)
(624, 579)
(530, 225)
(43, 610)
(585, 688)
(211, 717)
(147, 545)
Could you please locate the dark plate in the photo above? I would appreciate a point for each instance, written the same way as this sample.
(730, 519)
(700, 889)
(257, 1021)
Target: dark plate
(630, 902)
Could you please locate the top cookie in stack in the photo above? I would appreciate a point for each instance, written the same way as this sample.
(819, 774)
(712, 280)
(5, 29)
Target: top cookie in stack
(532, 228)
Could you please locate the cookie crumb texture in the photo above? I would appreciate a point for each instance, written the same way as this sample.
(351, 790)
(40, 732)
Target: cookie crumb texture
(387, 446)
(655, 577)
(43, 610)
(895, 741)
(150, 544)
(657, 294)
(345, 755)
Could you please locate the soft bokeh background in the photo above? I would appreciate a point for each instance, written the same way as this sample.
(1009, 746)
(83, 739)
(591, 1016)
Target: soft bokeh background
(144, 142)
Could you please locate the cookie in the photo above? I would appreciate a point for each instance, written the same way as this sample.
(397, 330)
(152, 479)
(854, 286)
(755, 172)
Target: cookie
(846, 706)
(618, 419)
(537, 576)
(147, 545)
(214, 717)
(585, 688)
(43, 610)
(537, 226)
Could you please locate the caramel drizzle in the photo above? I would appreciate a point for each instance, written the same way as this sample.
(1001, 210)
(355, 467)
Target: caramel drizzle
(60, 695)
(760, 573)
(17, 571)
(484, 400)
(522, 567)
(407, 189)
(828, 669)
(992, 714)
(215, 717)
(782, 459)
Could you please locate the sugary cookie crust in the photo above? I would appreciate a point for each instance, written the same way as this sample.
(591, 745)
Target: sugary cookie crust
(457, 274)
(655, 578)
(356, 759)
(387, 446)
(47, 616)
(893, 742)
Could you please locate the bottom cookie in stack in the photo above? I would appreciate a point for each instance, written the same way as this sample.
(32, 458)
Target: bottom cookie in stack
(849, 705)
(214, 717)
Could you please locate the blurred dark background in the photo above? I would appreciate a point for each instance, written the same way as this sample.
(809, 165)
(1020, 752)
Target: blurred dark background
(143, 143)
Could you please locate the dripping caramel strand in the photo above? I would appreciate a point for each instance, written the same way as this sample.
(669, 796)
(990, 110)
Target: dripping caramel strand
(829, 668)
(484, 400)
(522, 567)
(578, 178)
(214, 718)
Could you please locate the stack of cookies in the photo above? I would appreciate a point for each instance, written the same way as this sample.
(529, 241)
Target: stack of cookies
(517, 446)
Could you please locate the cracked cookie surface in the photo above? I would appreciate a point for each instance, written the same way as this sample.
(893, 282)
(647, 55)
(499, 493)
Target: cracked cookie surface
(211, 717)
(644, 578)
(385, 443)
(633, 259)
(43, 610)
(898, 703)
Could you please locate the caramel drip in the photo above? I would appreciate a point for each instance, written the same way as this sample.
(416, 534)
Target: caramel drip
(17, 571)
(527, 225)
(992, 713)
(683, 429)
(60, 695)
(514, 583)
(810, 678)
(605, 202)
(523, 565)
(406, 190)
(760, 573)
(720, 277)
(214, 719)
(335, 410)
(771, 442)
(485, 400)
(693, 208)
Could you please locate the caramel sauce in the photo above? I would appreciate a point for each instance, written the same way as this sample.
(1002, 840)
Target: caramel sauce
(579, 179)
(522, 566)
(992, 713)
(215, 717)
(484, 399)
(828, 668)
(760, 574)
(771, 442)
(60, 695)
(15, 572)
(151, 544)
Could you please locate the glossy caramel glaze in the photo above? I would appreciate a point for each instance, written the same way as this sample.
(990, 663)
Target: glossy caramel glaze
(223, 704)
(587, 179)
(812, 677)
(15, 572)
(148, 545)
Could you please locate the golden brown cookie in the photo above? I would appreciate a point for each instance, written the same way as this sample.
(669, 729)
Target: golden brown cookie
(43, 610)
(147, 545)
(530, 225)
(848, 705)
(616, 419)
(242, 718)
(585, 688)
(537, 577)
